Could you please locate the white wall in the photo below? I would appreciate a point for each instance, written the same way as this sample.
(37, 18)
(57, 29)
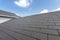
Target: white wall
(2, 19)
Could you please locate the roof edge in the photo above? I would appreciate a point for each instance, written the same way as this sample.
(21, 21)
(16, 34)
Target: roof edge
(42, 13)
(7, 16)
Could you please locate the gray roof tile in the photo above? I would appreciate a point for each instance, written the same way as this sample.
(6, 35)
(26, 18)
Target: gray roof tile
(28, 28)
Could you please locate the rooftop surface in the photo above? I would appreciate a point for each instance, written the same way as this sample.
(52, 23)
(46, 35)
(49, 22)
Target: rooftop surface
(35, 27)
(7, 14)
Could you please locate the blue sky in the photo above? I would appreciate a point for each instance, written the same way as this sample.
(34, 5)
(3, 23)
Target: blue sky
(29, 7)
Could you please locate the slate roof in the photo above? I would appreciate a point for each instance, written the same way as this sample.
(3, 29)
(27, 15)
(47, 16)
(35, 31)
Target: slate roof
(35, 27)
(7, 14)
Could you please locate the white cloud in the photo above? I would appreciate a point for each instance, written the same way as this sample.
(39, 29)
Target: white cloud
(58, 9)
(23, 3)
(17, 14)
(44, 11)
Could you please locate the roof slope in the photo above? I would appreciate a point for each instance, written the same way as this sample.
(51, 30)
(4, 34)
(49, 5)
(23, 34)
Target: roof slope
(36, 27)
(7, 14)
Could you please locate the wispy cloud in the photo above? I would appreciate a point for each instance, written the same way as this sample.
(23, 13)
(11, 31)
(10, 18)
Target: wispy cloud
(44, 11)
(58, 9)
(23, 3)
